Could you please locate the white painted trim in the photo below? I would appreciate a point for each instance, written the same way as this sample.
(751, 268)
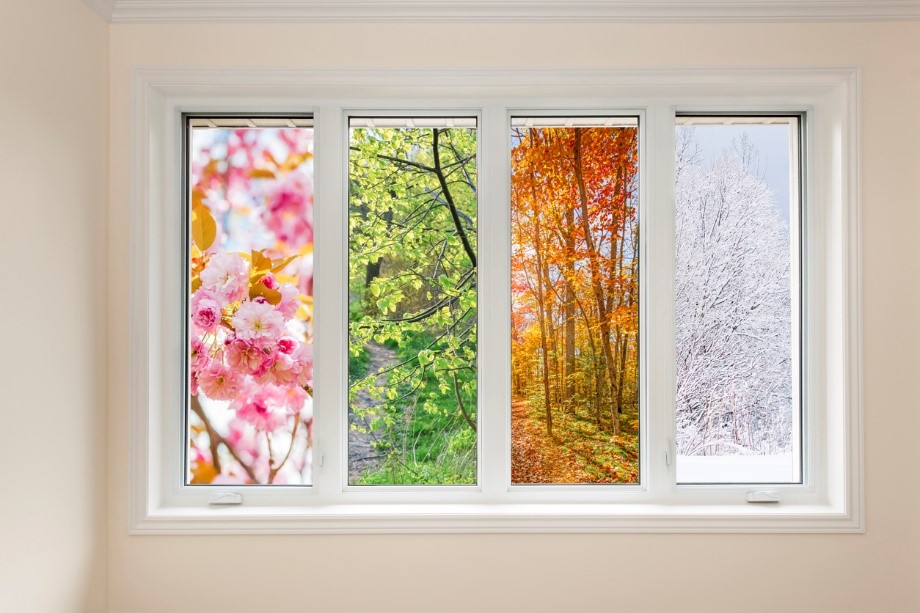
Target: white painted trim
(832, 499)
(449, 519)
(592, 11)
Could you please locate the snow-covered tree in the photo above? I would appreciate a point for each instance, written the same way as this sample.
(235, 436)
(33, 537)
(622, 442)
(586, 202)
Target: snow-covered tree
(734, 385)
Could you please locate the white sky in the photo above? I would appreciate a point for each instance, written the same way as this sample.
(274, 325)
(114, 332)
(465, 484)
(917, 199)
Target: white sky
(772, 142)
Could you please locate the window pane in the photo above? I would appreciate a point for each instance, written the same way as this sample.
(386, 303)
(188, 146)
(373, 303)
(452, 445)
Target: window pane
(412, 301)
(250, 308)
(737, 292)
(574, 300)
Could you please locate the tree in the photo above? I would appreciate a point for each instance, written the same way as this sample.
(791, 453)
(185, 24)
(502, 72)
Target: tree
(574, 252)
(734, 385)
(413, 280)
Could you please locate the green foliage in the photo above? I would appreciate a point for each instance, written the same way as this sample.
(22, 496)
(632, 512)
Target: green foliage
(412, 283)
(358, 364)
(428, 442)
(453, 471)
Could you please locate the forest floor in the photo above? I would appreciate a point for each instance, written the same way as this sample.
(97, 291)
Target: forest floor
(363, 458)
(578, 451)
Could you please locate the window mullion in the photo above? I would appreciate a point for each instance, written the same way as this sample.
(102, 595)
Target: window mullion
(495, 304)
(330, 294)
(657, 296)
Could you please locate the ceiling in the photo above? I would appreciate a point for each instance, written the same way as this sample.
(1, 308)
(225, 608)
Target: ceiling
(160, 11)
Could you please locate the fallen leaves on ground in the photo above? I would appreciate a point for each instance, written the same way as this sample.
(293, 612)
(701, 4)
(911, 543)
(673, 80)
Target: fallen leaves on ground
(578, 451)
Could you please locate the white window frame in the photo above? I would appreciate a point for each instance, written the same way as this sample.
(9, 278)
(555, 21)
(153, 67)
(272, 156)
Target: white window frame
(829, 500)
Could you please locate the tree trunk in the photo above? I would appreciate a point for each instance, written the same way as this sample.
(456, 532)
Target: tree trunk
(373, 268)
(596, 284)
(541, 311)
(569, 308)
(547, 398)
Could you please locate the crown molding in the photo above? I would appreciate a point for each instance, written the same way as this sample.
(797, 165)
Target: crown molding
(106, 8)
(627, 11)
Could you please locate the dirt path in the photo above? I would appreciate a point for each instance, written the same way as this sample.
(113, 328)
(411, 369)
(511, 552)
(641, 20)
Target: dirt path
(361, 453)
(534, 457)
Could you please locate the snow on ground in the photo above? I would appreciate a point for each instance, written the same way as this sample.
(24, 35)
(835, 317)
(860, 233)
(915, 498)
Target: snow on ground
(736, 469)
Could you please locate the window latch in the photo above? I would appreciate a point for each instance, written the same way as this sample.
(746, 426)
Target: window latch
(226, 498)
(763, 496)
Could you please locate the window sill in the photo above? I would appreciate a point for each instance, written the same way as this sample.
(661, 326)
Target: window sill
(504, 518)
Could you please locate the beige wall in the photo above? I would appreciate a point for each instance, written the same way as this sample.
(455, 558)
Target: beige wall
(53, 181)
(878, 571)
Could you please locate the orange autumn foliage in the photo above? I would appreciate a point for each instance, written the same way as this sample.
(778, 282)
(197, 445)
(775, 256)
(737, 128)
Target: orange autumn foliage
(575, 267)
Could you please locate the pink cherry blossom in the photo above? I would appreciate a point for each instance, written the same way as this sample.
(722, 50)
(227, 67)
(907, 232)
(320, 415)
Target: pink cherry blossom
(198, 358)
(245, 441)
(304, 358)
(269, 281)
(295, 398)
(287, 345)
(247, 356)
(257, 320)
(298, 141)
(264, 407)
(206, 314)
(289, 209)
(280, 369)
(226, 276)
(289, 302)
(219, 382)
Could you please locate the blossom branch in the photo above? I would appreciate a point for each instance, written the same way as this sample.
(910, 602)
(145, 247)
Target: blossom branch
(195, 405)
(274, 470)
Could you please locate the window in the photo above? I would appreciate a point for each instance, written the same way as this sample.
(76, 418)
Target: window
(412, 309)
(479, 306)
(250, 310)
(737, 200)
(574, 300)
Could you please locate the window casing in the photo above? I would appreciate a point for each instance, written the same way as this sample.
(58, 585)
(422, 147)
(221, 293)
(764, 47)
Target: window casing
(828, 500)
